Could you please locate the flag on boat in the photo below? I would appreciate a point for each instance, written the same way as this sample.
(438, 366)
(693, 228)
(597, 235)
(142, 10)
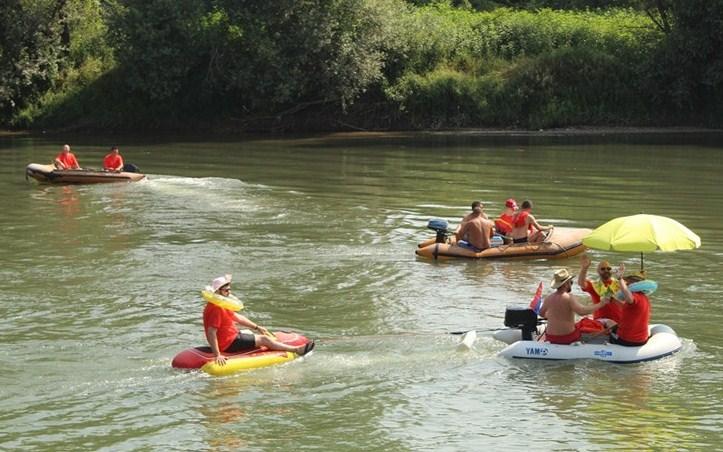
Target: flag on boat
(536, 302)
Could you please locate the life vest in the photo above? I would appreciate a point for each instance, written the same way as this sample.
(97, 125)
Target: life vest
(520, 219)
(504, 223)
(603, 290)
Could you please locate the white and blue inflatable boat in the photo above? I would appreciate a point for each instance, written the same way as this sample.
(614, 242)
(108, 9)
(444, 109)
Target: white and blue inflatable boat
(523, 342)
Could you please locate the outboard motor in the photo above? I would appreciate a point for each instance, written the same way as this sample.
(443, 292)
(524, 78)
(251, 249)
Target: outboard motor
(440, 227)
(131, 168)
(523, 318)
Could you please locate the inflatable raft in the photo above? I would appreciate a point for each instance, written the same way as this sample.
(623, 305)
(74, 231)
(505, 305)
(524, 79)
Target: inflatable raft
(202, 358)
(48, 174)
(523, 340)
(563, 242)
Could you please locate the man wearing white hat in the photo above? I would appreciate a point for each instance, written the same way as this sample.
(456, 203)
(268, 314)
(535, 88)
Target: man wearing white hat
(223, 336)
(559, 308)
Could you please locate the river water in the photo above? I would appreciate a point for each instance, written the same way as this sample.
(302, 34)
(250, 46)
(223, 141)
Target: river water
(100, 289)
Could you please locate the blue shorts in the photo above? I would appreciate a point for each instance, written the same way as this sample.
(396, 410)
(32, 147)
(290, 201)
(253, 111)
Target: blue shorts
(469, 246)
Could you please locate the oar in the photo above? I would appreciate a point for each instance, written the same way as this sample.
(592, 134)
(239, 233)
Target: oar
(467, 341)
(459, 333)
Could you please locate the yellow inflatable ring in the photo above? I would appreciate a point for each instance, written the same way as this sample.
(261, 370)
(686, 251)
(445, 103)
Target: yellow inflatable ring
(232, 303)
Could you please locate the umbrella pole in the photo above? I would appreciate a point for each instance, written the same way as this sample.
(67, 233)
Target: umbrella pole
(642, 269)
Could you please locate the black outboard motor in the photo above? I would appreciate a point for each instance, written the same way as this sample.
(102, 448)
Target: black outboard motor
(523, 318)
(131, 168)
(440, 227)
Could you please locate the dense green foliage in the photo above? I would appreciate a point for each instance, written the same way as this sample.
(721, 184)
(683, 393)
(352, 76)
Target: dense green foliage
(373, 63)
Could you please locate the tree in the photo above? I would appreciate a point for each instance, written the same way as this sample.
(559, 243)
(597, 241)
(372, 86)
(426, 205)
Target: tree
(32, 52)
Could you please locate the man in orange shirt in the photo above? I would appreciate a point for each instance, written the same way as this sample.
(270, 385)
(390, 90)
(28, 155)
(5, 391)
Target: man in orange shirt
(113, 161)
(223, 335)
(632, 328)
(66, 159)
(606, 285)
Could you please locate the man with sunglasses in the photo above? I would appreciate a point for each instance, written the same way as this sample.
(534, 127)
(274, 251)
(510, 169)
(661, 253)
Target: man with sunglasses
(605, 287)
(223, 335)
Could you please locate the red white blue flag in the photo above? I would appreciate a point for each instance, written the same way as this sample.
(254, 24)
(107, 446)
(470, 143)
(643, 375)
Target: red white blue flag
(536, 302)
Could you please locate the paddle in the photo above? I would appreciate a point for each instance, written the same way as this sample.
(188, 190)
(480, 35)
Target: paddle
(467, 341)
(459, 333)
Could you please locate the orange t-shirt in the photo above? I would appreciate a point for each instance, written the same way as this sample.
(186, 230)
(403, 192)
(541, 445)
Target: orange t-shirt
(68, 160)
(224, 322)
(633, 325)
(612, 311)
(112, 161)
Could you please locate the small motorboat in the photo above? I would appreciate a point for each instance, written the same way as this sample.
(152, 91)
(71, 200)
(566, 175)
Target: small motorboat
(202, 358)
(561, 243)
(49, 174)
(524, 342)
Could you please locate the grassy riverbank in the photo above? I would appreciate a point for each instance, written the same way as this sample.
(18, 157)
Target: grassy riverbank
(378, 65)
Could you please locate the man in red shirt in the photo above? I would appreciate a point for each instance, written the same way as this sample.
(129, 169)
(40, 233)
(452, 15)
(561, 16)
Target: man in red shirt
(66, 159)
(113, 161)
(632, 330)
(223, 336)
(605, 286)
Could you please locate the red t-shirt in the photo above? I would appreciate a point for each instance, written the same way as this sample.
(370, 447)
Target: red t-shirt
(112, 161)
(611, 311)
(633, 324)
(68, 160)
(223, 321)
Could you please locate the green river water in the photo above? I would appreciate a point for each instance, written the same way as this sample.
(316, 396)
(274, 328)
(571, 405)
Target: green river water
(99, 289)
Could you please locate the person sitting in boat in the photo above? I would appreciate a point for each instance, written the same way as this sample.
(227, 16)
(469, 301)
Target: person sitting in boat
(560, 307)
(113, 161)
(471, 215)
(606, 285)
(222, 335)
(524, 223)
(475, 231)
(503, 223)
(66, 159)
(632, 329)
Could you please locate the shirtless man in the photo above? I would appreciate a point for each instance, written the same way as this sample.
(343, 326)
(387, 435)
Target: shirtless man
(559, 308)
(476, 229)
(470, 215)
(523, 224)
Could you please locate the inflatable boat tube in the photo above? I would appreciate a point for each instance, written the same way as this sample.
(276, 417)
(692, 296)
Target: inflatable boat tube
(663, 342)
(201, 358)
(647, 287)
(562, 243)
(231, 302)
(48, 174)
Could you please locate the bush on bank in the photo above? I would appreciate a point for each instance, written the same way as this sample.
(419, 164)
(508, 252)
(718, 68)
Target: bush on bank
(301, 64)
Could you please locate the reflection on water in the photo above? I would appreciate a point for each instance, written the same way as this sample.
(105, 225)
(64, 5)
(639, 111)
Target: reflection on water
(101, 289)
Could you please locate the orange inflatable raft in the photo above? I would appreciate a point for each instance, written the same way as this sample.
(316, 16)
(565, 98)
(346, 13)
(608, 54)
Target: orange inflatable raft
(563, 242)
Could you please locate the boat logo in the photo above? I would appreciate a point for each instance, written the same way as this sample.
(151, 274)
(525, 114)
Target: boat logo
(536, 351)
(603, 353)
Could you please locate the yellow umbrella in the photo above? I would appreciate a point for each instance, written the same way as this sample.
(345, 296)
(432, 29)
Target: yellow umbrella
(640, 233)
